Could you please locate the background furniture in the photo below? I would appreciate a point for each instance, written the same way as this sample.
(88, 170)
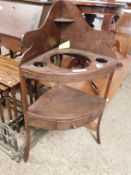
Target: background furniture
(18, 17)
(9, 83)
(108, 9)
(127, 2)
(11, 114)
(123, 35)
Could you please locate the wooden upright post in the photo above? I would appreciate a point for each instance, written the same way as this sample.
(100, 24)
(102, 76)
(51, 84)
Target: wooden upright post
(107, 19)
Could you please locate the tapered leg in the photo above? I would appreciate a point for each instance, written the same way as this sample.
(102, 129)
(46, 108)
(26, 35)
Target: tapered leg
(27, 144)
(98, 130)
(13, 92)
(6, 93)
(1, 114)
(37, 90)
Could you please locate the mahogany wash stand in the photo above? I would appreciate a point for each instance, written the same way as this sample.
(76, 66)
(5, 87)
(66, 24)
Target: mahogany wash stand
(63, 107)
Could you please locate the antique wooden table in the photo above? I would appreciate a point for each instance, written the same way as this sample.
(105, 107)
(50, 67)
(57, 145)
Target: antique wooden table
(9, 72)
(18, 17)
(10, 107)
(9, 82)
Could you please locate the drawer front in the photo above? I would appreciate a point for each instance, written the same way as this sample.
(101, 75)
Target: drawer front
(72, 124)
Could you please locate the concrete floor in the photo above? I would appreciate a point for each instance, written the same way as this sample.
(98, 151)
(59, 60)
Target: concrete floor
(75, 152)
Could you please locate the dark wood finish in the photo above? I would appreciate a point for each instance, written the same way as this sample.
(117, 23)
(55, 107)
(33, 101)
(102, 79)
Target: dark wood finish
(58, 114)
(105, 40)
(54, 73)
(64, 107)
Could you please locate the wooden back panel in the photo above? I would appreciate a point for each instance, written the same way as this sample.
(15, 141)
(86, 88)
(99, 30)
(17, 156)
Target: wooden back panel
(65, 23)
(43, 39)
(82, 36)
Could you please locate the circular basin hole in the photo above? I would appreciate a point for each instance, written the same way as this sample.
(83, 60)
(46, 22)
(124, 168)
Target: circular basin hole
(39, 64)
(70, 61)
(101, 60)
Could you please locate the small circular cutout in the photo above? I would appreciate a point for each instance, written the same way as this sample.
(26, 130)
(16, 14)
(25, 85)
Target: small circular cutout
(39, 64)
(101, 60)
